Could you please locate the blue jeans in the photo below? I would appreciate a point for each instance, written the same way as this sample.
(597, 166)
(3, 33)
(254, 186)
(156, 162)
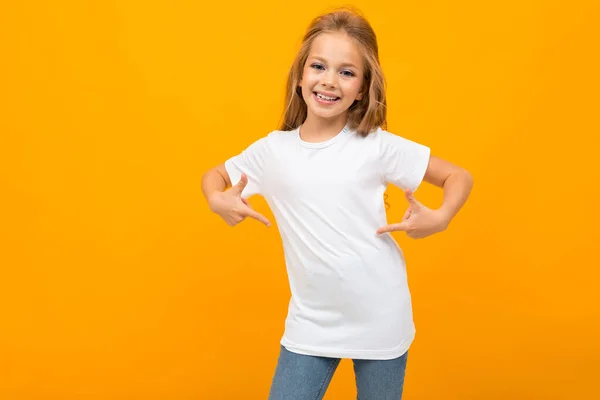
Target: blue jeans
(301, 377)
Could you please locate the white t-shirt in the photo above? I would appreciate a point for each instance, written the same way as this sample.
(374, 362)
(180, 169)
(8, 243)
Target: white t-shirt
(349, 291)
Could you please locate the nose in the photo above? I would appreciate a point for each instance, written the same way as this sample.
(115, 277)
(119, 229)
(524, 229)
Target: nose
(329, 78)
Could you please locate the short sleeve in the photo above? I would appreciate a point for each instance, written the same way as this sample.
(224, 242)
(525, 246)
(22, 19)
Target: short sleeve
(251, 162)
(403, 161)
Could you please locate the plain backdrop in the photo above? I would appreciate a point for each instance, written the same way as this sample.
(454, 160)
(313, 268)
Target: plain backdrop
(116, 281)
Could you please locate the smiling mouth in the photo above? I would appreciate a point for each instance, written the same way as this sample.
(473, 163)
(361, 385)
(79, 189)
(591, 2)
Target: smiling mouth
(325, 99)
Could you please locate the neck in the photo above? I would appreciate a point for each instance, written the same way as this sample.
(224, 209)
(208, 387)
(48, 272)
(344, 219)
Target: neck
(318, 129)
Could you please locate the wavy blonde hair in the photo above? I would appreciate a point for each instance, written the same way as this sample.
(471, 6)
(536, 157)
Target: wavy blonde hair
(365, 115)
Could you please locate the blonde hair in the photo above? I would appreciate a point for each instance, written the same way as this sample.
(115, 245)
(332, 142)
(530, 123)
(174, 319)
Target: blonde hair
(365, 115)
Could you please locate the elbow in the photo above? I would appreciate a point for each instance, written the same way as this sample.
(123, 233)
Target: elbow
(468, 178)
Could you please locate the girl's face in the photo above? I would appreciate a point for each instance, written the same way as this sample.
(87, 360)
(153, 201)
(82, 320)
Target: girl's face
(332, 77)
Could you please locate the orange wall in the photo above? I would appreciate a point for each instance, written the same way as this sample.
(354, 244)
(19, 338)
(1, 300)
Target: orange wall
(116, 282)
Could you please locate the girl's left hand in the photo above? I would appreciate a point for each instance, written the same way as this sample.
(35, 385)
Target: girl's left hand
(418, 221)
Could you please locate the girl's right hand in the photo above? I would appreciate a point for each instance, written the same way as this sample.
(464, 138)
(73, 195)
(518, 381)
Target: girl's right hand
(232, 207)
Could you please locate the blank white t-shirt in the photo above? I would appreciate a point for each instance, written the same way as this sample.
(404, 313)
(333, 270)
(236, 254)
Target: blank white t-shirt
(349, 291)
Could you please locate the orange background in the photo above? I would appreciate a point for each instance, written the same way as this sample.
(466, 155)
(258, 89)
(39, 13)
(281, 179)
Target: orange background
(118, 283)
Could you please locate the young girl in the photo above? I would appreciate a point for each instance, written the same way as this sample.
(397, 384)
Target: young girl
(324, 174)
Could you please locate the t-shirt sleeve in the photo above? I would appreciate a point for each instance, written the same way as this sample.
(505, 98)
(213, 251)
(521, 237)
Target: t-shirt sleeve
(403, 161)
(250, 161)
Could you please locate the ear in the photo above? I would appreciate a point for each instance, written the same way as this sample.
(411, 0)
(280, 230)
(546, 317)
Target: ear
(364, 90)
(359, 96)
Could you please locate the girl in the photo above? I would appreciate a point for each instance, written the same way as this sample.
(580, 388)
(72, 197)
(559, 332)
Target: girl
(324, 174)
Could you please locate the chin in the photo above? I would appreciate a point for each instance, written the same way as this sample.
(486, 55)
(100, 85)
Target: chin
(327, 114)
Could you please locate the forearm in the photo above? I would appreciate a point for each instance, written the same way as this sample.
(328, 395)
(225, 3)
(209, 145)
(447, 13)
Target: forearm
(457, 188)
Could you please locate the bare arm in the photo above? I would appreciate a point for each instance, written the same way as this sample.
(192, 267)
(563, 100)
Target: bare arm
(214, 181)
(228, 203)
(420, 221)
(456, 182)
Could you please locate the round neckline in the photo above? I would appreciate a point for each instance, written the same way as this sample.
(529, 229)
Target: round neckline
(317, 145)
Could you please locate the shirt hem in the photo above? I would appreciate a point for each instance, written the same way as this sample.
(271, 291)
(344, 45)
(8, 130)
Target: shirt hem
(386, 354)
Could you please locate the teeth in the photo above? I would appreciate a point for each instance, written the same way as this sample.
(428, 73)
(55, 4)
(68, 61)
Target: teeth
(325, 97)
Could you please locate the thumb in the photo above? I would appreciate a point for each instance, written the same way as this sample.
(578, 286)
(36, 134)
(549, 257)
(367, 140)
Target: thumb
(410, 196)
(239, 187)
(407, 214)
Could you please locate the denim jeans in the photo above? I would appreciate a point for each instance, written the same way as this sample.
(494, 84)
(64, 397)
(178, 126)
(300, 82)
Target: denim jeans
(301, 377)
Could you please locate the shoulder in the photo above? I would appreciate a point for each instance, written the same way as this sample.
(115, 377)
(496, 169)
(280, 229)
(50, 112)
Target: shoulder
(277, 140)
(381, 139)
(388, 139)
(273, 138)
(281, 135)
(382, 135)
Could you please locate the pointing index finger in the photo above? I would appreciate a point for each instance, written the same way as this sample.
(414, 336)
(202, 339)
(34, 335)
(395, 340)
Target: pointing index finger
(257, 216)
(401, 226)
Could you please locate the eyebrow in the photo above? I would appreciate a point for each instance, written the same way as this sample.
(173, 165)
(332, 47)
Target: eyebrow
(325, 61)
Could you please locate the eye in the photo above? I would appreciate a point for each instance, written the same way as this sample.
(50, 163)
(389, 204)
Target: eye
(317, 66)
(348, 73)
